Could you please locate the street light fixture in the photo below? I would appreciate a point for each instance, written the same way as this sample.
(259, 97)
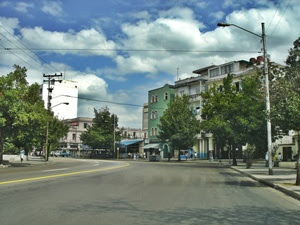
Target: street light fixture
(47, 129)
(268, 108)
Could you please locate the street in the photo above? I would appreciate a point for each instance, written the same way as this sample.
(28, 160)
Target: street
(72, 191)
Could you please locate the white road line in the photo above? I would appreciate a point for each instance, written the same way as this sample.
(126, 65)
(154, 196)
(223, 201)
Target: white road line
(54, 170)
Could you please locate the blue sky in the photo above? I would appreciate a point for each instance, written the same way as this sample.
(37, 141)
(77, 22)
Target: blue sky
(118, 50)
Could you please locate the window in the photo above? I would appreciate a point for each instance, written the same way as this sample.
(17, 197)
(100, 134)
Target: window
(155, 131)
(166, 95)
(227, 69)
(74, 136)
(134, 134)
(152, 131)
(237, 86)
(156, 99)
(214, 72)
(85, 125)
(182, 92)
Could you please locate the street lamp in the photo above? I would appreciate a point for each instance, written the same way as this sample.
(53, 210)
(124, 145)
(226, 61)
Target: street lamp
(268, 108)
(47, 129)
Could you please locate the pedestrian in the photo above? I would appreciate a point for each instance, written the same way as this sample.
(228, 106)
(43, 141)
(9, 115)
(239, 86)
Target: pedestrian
(279, 157)
(22, 153)
(211, 156)
(267, 159)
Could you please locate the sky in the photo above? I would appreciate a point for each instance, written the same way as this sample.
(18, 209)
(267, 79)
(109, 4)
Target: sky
(118, 50)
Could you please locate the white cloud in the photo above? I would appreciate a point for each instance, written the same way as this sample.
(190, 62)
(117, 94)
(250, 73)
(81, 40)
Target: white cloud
(87, 39)
(23, 7)
(218, 16)
(5, 4)
(142, 15)
(54, 8)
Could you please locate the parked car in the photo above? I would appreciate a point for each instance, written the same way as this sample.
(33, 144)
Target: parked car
(55, 153)
(64, 153)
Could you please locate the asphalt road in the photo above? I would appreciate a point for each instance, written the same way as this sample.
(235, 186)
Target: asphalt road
(108, 192)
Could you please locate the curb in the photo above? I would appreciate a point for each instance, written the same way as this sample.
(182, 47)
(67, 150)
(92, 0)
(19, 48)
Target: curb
(270, 184)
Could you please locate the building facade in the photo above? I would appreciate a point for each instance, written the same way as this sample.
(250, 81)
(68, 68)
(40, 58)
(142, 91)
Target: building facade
(61, 92)
(77, 126)
(158, 100)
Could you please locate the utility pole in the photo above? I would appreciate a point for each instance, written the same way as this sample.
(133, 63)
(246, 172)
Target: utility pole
(51, 80)
(268, 108)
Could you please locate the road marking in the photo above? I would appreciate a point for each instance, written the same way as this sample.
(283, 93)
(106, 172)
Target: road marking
(61, 175)
(54, 170)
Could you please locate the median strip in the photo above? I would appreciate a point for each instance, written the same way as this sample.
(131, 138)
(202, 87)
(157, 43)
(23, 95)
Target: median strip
(60, 175)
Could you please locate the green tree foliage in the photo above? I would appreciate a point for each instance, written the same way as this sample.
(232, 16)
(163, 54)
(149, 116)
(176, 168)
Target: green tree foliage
(101, 134)
(13, 114)
(234, 117)
(286, 93)
(23, 117)
(179, 125)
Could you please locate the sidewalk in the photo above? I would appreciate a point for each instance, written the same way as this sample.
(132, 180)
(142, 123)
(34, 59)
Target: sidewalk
(14, 161)
(283, 179)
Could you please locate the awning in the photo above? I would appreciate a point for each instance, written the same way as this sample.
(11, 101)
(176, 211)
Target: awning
(148, 146)
(130, 142)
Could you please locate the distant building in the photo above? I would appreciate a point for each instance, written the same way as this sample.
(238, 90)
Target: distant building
(77, 126)
(62, 92)
(133, 133)
(145, 117)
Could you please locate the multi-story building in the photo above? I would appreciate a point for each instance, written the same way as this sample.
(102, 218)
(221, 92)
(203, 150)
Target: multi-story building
(133, 133)
(77, 126)
(145, 118)
(158, 100)
(61, 92)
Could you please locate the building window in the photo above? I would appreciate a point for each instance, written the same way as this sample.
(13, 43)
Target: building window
(145, 135)
(85, 125)
(74, 136)
(155, 131)
(214, 72)
(152, 131)
(152, 98)
(237, 86)
(134, 134)
(156, 99)
(227, 69)
(154, 114)
(182, 92)
(166, 96)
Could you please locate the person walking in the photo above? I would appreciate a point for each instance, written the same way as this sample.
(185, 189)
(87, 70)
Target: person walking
(22, 153)
(267, 159)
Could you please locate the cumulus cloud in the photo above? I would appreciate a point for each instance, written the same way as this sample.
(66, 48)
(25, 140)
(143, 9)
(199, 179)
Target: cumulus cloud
(53, 8)
(218, 16)
(23, 6)
(58, 42)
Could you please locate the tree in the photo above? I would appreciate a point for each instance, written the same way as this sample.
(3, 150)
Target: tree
(286, 91)
(32, 133)
(13, 108)
(234, 117)
(179, 125)
(101, 134)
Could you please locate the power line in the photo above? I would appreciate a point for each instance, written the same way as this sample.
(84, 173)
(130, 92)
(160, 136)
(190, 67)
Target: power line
(18, 47)
(99, 100)
(280, 18)
(55, 69)
(22, 59)
(274, 15)
(138, 50)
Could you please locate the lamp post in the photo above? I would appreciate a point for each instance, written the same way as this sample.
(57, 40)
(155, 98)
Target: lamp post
(47, 129)
(268, 108)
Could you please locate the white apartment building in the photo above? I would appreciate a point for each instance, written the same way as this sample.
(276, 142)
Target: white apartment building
(62, 92)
